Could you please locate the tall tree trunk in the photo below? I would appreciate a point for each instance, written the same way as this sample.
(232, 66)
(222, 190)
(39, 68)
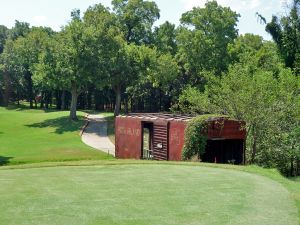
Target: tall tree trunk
(89, 98)
(28, 79)
(131, 105)
(58, 99)
(73, 107)
(46, 100)
(50, 99)
(7, 90)
(18, 97)
(63, 100)
(117, 89)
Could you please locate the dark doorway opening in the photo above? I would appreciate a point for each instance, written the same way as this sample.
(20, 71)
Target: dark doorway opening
(224, 151)
(147, 142)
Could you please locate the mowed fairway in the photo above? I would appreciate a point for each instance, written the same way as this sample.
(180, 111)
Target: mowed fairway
(35, 136)
(142, 194)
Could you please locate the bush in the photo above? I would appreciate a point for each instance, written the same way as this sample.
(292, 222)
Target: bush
(195, 137)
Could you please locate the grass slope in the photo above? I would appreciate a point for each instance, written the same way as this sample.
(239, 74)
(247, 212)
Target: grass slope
(35, 135)
(158, 193)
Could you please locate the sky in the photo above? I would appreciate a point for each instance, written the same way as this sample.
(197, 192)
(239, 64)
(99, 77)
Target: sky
(56, 13)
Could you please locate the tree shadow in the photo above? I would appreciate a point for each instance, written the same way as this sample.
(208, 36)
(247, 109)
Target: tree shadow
(295, 179)
(16, 107)
(22, 107)
(4, 160)
(61, 124)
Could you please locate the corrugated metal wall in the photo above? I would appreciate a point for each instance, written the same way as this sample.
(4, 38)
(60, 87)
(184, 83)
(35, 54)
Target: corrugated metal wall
(160, 142)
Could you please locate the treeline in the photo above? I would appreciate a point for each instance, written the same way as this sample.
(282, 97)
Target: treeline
(100, 60)
(115, 59)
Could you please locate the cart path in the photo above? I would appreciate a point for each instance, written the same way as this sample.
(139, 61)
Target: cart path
(95, 134)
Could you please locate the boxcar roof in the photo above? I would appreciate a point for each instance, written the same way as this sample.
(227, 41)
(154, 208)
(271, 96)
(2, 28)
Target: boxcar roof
(169, 117)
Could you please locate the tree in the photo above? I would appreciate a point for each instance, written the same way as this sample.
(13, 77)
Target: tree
(3, 36)
(22, 57)
(126, 57)
(165, 38)
(19, 30)
(266, 97)
(286, 143)
(285, 32)
(109, 58)
(247, 44)
(203, 38)
(136, 18)
(12, 75)
(261, 53)
(84, 53)
(67, 59)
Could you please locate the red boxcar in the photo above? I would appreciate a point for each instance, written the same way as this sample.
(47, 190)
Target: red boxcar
(161, 137)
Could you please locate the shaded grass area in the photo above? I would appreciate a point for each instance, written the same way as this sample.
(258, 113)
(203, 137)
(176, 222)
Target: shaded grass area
(138, 192)
(29, 136)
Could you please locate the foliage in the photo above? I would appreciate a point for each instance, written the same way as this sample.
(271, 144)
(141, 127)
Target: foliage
(165, 38)
(195, 137)
(19, 30)
(203, 38)
(3, 37)
(192, 101)
(136, 18)
(250, 93)
(19, 58)
(77, 57)
(285, 32)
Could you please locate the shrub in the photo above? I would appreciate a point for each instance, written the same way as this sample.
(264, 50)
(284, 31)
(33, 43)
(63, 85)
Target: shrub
(195, 137)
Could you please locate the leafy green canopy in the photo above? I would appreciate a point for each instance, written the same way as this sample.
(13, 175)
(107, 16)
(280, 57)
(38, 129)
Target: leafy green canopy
(269, 102)
(203, 38)
(136, 18)
(285, 32)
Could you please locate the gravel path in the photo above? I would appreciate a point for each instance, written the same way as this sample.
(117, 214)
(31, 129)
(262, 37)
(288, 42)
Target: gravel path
(95, 135)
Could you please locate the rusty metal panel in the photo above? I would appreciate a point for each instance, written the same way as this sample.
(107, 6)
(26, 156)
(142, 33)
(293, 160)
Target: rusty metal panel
(176, 139)
(226, 129)
(160, 141)
(168, 135)
(128, 138)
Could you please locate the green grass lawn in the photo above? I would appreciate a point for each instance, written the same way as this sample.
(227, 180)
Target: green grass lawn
(28, 136)
(58, 188)
(129, 193)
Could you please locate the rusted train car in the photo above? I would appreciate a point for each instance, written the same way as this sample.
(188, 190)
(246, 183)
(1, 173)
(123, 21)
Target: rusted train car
(161, 137)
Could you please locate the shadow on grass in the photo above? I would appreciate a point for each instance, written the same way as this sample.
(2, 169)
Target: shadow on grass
(295, 179)
(13, 106)
(23, 107)
(4, 160)
(61, 124)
